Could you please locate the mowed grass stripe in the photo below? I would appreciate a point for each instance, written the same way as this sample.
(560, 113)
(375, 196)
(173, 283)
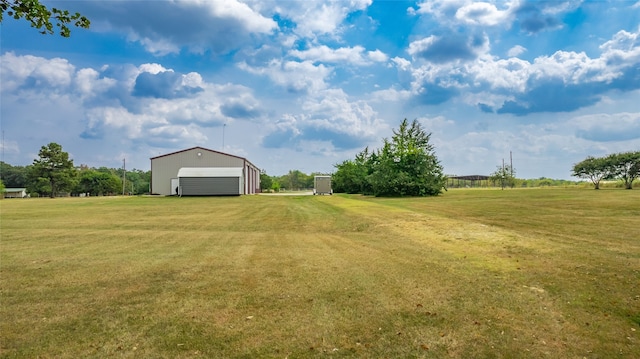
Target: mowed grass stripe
(307, 277)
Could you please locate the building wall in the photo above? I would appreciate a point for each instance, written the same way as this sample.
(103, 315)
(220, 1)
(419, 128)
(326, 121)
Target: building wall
(164, 168)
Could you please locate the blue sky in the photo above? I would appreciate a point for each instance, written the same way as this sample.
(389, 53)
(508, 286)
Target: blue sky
(307, 84)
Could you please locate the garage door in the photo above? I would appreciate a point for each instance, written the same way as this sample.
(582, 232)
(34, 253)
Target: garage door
(210, 181)
(210, 186)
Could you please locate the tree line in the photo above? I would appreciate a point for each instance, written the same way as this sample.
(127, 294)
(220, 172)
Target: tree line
(623, 166)
(53, 173)
(294, 180)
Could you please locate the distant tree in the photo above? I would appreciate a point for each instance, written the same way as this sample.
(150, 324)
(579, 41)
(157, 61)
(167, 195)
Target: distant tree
(137, 181)
(98, 183)
(1, 189)
(351, 176)
(295, 180)
(275, 186)
(407, 165)
(13, 176)
(265, 181)
(594, 169)
(504, 176)
(625, 166)
(54, 167)
(41, 18)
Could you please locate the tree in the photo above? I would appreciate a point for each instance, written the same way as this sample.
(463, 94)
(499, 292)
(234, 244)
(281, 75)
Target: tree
(351, 176)
(41, 17)
(625, 166)
(1, 189)
(99, 183)
(505, 175)
(55, 167)
(13, 176)
(592, 168)
(266, 182)
(407, 165)
(295, 180)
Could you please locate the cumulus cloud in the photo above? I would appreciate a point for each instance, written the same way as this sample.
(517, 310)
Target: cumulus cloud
(354, 55)
(167, 84)
(328, 117)
(532, 17)
(32, 72)
(563, 81)
(516, 51)
(449, 47)
(167, 26)
(90, 82)
(293, 75)
(608, 127)
(318, 18)
(143, 104)
(482, 13)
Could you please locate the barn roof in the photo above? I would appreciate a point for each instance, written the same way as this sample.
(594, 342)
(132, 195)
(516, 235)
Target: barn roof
(204, 149)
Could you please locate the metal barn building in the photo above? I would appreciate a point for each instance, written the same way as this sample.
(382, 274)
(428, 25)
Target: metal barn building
(199, 171)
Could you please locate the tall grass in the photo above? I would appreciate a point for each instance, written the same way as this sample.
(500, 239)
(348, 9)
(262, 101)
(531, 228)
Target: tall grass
(472, 273)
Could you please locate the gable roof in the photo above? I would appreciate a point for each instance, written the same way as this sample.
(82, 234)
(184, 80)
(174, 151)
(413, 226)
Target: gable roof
(204, 149)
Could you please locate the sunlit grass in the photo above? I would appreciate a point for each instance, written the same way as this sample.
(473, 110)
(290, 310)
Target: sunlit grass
(472, 273)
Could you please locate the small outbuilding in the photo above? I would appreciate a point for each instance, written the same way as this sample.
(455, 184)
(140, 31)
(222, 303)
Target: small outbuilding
(322, 185)
(200, 171)
(15, 193)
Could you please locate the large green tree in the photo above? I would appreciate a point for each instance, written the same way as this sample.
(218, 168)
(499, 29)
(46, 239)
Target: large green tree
(592, 168)
(625, 166)
(405, 166)
(99, 183)
(41, 17)
(351, 176)
(54, 167)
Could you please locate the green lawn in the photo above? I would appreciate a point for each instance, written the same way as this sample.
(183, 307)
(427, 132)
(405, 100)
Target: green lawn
(523, 273)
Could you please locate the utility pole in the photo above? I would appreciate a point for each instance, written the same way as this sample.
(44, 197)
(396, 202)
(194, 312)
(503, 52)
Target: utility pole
(503, 175)
(124, 174)
(512, 180)
(511, 161)
(223, 127)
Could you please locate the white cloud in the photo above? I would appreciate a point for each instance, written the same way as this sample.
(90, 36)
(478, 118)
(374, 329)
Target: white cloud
(604, 127)
(482, 13)
(331, 109)
(169, 26)
(496, 78)
(40, 72)
(152, 68)
(316, 18)
(233, 9)
(402, 64)
(354, 55)
(88, 82)
(295, 76)
(390, 95)
(516, 51)
(378, 56)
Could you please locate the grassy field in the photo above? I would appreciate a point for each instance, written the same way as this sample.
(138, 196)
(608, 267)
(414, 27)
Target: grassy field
(525, 273)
